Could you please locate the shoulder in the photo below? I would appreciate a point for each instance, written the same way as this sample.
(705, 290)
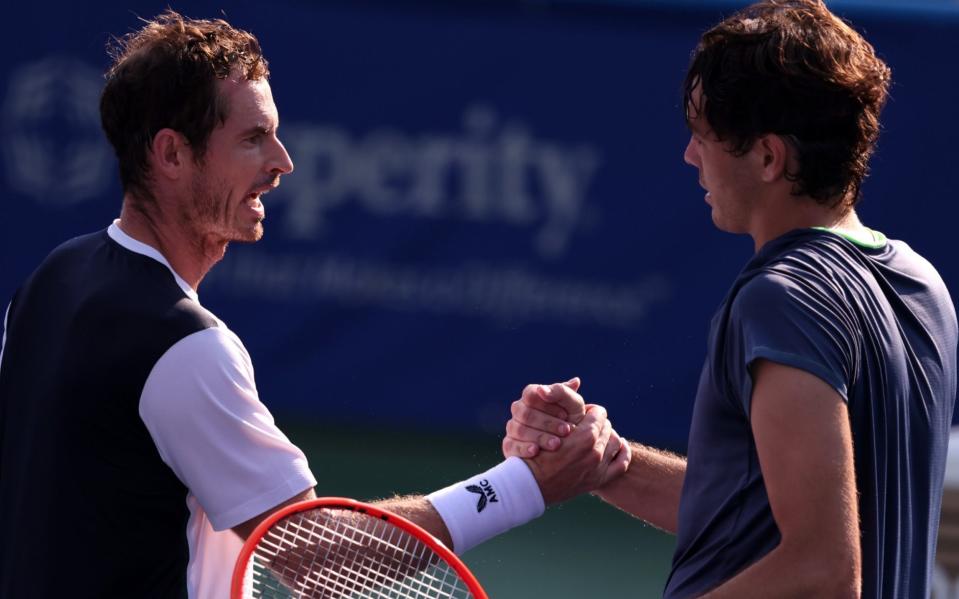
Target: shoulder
(212, 345)
(765, 286)
(908, 262)
(188, 316)
(202, 372)
(773, 290)
(814, 272)
(71, 253)
(796, 300)
(80, 243)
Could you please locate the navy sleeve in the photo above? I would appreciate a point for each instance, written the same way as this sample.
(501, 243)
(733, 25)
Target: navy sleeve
(793, 319)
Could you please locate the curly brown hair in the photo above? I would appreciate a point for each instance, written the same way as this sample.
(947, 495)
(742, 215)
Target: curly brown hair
(793, 68)
(165, 75)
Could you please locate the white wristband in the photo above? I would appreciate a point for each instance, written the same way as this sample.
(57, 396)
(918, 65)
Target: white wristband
(488, 504)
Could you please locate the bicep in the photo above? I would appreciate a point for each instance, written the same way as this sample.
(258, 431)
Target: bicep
(201, 408)
(805, 448)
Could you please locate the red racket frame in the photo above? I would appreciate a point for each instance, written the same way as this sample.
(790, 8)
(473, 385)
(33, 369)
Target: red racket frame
(344, 503)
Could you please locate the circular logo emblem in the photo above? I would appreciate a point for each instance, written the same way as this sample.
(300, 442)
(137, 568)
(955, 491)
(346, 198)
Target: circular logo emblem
(52, 147)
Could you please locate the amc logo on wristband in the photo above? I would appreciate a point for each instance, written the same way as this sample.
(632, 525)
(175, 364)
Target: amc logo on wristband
(485, 492)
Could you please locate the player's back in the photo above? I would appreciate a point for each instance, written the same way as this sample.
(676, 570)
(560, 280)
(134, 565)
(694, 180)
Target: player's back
(87, 507)
(900, 411)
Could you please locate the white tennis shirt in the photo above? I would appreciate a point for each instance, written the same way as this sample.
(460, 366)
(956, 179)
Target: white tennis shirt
(202, 409)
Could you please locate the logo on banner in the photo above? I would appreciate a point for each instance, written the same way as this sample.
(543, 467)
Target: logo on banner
(52, 147)
(491, 172)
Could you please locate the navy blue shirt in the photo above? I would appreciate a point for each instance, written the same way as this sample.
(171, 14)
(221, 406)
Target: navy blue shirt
(879, 326)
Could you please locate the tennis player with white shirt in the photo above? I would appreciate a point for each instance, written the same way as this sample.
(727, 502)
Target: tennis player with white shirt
(132, 437)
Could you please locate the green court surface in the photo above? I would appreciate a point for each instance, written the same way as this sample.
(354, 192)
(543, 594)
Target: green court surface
(581, 549)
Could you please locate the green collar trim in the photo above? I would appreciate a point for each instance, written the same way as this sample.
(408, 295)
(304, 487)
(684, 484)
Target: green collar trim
(872, 240)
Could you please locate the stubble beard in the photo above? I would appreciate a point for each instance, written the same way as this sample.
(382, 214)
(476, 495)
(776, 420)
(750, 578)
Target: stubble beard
(210, 217)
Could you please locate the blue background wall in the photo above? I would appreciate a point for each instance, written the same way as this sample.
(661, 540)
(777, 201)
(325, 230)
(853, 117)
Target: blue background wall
(486, 194)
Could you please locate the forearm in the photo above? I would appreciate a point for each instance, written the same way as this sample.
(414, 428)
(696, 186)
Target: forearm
(469, 512)
(345, 542)
(417, 509)
(650, 489)
(810, 571)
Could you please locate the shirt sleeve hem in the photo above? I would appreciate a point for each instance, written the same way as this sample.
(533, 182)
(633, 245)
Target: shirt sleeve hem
(261, 503)
(802, 363)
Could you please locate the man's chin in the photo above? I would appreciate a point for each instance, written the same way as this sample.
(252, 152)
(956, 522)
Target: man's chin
(725, 224)
(718, 221)
(251, 235)
(727, 227)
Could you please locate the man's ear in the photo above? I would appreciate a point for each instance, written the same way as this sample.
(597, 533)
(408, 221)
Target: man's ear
(170, 154)
(772, 156)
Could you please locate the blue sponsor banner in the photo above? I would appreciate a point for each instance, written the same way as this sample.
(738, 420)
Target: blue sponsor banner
(485, 195)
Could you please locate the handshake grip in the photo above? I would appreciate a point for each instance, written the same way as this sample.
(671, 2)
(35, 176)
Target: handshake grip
(569, 445)
(583, 456)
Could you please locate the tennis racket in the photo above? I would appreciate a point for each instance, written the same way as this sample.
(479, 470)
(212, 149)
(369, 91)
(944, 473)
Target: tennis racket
(339, 548)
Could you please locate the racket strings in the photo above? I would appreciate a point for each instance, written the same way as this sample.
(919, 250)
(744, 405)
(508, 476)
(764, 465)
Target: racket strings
(328, 554)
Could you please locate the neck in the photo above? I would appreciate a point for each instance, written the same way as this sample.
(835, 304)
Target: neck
(189, 253)
(793, 212)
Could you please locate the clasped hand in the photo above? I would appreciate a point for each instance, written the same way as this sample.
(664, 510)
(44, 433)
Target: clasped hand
(569, 445)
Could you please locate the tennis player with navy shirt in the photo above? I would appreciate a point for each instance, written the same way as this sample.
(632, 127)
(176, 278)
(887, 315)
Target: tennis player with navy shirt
(820, 426)
(135, 454)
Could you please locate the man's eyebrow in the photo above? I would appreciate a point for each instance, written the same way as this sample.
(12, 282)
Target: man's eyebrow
(700, 129)
(688, 117)
(256, 130)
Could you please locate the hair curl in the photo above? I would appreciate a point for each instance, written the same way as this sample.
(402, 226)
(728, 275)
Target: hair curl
(792, 68)
(165, 75)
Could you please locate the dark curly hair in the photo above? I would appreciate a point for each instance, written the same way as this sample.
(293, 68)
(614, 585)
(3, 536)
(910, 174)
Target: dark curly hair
(793, 68)
(165, 75)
